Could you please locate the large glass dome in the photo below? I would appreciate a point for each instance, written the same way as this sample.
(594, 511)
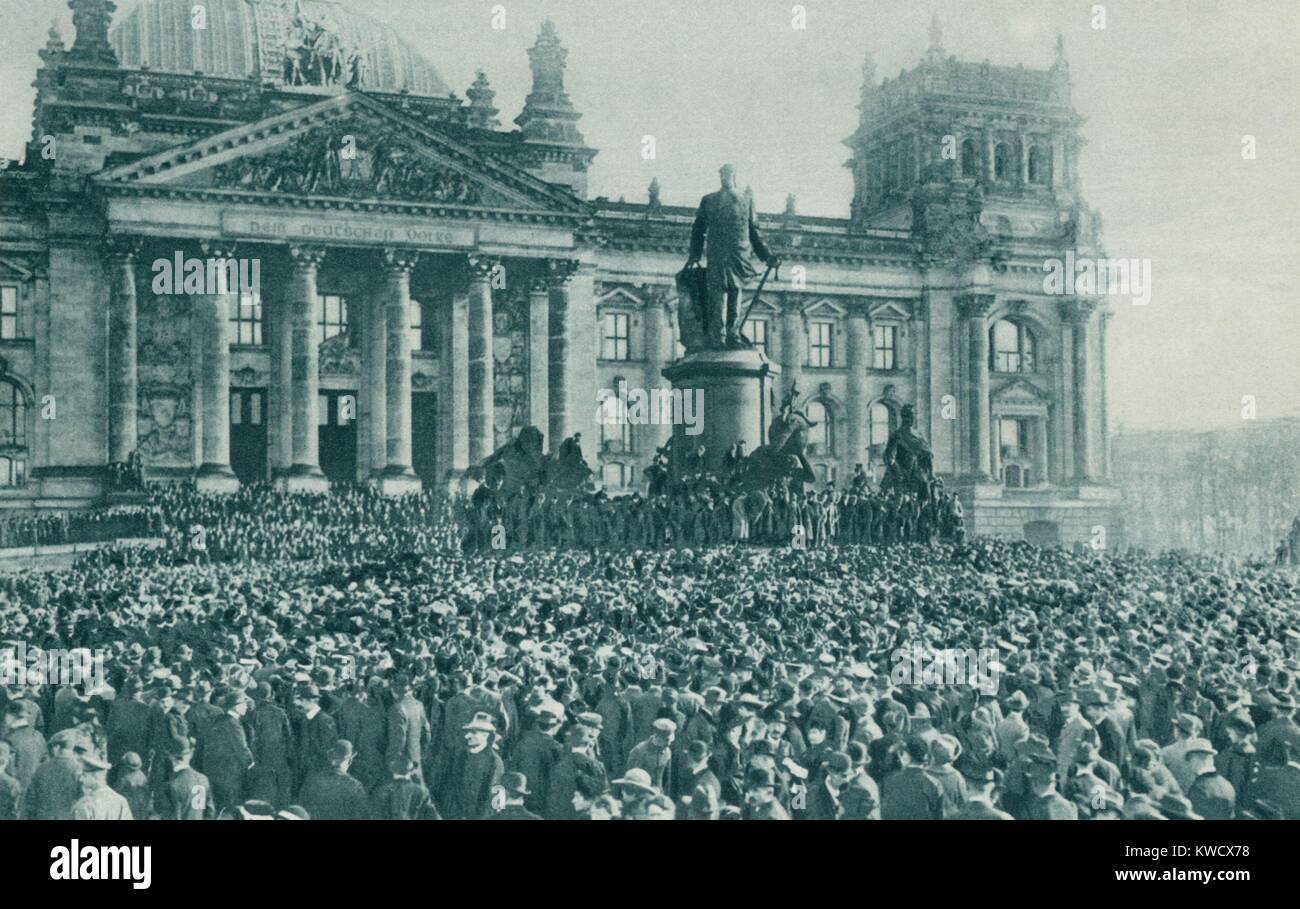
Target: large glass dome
(273, 41)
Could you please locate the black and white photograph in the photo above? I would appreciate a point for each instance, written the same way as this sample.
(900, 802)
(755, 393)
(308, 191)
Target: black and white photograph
(690, 410)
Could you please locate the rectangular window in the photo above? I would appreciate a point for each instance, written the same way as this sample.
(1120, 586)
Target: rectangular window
(1011, 437)
(8, 313)
(882, 353)
(236, 408)
(248, 320)
(821, 353)
(756, 331)
(614, 336)
(255, 409)
(333, 316)
(323, 411)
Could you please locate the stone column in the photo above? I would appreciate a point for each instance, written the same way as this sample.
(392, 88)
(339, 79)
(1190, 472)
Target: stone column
(974, 309)
(481, 378)
(454, 385)
(921, 365)
(374, 369)
(1024, 160)
(1079, 314)
(560, 273)
(214, 309)
(304, 366)
(995, 455)
(990, 156)
(794, 344)
(280, 405)
(398, 477)
(539, 354)
(859, 358)
(1040, 448)
(123, 377)
(657, 339)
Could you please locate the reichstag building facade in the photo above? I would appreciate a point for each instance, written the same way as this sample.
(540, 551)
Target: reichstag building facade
(427, 280)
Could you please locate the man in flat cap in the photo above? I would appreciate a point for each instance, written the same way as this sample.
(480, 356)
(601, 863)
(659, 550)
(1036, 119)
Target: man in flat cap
(655, 754)
(98, 801)
(464, 791)
(56, 784)
(334, 795)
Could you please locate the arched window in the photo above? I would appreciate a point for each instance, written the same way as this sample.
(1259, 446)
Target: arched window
(882, 424)
(821, 438)
(1002, 161)
(13, 435)
(969, 161)
(1040, 165)
(1011, 347)
(615, 430)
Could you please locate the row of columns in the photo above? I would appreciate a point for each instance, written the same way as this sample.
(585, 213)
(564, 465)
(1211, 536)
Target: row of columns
(1076, 314)
(467, 389)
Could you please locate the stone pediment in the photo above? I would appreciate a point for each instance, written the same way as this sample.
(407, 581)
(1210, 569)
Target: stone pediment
(347, 148)
(1020, 392)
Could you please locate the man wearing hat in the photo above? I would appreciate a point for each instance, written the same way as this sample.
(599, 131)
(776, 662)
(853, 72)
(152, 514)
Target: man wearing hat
(825, 796)
(1043, 802)
(187, 795)
(29, 746)
(944, 749)
(702, 791)
(1211, 795)
(98, 801)
(129, 781)
(403, 796)
(911, 794)
(578, 762)
(222, 753)
(1174, 755)
(536, 754)
(56, 784)
(464, 791)
(1282, 726)
(655, 754)
(980, 799)
(408, 726)
(1238, 762)
(513, 791)
(128, 721)
(334, 795)
(270, 738)
(634, 789)
(318, 733)
(1278, 783)
(760, 797)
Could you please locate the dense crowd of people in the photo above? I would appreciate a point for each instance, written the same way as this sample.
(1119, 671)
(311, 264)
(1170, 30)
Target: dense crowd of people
(78, 527)
(285, 656)
(708, 512)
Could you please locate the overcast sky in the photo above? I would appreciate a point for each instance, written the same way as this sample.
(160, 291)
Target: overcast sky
(1169, 88)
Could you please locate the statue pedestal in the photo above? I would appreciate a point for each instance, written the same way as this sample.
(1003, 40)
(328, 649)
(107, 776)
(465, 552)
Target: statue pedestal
(732, 395)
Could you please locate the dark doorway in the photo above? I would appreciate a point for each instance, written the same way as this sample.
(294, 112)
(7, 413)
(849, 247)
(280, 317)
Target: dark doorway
(1043, 533)
(338, 435)
(248, 434)
(424, 436)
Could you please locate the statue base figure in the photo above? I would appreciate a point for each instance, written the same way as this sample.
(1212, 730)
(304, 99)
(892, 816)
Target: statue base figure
(730, 394)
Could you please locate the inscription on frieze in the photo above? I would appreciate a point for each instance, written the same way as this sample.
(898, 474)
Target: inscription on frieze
(386, 231)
